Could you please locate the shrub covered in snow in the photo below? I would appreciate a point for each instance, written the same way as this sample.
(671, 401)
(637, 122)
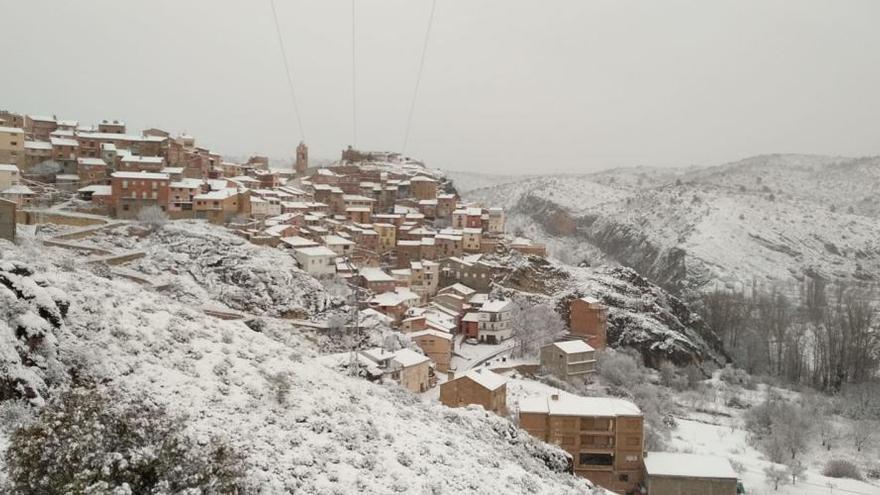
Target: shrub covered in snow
(840, 468)
(83, 442)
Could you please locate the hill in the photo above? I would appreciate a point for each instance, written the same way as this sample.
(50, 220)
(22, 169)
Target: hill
(300, 426)
(768, 220)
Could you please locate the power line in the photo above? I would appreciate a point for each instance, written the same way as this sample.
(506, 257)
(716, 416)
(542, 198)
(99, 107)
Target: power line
(302, 131)
(412, 105)
(353, 81)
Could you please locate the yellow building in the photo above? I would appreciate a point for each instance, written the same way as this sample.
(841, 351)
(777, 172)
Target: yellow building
(12, 146)
(387, 236)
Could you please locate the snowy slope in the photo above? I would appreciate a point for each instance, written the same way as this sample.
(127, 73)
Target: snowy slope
(770, 219)
(331, 434)
(641, 315)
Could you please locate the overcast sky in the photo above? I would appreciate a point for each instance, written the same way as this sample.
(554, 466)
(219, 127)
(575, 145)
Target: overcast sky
(508, 85)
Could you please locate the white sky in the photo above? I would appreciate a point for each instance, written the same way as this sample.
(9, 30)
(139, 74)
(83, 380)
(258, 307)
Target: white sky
(509, 85)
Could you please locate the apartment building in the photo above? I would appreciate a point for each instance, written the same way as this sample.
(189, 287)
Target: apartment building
(133, 191)
(12, 146)
(9, 176)
(491, 324)
(605, 436)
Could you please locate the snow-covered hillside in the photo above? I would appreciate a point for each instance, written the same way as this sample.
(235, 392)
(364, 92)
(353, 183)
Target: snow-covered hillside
(641, 315)
(770, 219)
(302, 427)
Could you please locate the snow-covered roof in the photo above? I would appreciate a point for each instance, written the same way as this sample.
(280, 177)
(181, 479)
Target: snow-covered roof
(459, 288)
(566, 404)
(496, 306)
(186, 183)
(688, 465)
(590, 300)
(91, 161)
(41, 118)
(377, 354)
(373, 274)
(172, 170)
(421, 178)
(407, 358)
(139, 175)
(220, 194)
(486, 378)
(18, 189)
(277, 230)
(399, 296)
(12, 130)
(153, 160)
(8, 167)
(57, 141)
(316, 251)
(298, 242)
(37, 145)
(335, 240)
(573, 346)
(97, 190)
(434, 333)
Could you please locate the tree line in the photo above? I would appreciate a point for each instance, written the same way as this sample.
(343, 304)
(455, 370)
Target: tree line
(827, 337)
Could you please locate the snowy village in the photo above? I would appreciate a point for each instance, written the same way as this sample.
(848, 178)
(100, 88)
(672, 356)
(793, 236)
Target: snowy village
(440, 248)
(390, 277)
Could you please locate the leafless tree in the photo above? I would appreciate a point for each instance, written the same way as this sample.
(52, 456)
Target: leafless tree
(153, 217)
(863, 432)
(533, 325)
(775, 476)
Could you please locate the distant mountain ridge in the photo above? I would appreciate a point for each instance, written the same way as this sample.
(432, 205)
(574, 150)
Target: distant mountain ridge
(770, 219)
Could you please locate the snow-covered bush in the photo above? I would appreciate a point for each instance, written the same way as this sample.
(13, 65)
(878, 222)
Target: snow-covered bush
(619, 368)
(84, 442)
(152, 217)
(840, 468)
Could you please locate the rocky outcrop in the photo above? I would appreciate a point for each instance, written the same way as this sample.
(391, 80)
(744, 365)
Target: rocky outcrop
(641, 314)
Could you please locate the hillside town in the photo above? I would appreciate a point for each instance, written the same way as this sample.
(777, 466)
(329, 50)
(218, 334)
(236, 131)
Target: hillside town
(413, 255)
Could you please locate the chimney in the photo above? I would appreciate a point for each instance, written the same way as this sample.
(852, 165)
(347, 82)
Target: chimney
(554, 396)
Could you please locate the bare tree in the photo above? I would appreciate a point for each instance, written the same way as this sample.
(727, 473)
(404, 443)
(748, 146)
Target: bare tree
(863, 432)
(153, 217)
(775, 475)
(534, 324)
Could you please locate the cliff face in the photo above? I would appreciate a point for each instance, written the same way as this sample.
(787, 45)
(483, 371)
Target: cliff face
(641, 315)
(769, 220)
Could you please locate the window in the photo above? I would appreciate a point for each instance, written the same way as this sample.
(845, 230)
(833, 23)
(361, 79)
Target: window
(623, 477)
(587, 459)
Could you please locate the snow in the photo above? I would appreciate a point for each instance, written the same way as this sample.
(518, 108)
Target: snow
(496, 306)
(572, 405)
(486, 378)
(333, 433)
(373, 274)
(573, 346)
(140, 175)
(316, 251)
(407, 358)
(5, 167)
(688, 465)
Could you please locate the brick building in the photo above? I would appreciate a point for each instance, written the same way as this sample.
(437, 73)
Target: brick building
(589, 321)
(605, 436)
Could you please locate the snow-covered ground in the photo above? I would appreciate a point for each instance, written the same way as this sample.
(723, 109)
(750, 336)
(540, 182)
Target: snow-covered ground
(321, 432)
(767, 219)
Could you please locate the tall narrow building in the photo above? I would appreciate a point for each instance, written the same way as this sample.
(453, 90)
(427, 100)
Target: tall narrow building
(302, 159)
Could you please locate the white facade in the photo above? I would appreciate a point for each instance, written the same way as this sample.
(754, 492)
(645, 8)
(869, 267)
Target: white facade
(317, 261)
